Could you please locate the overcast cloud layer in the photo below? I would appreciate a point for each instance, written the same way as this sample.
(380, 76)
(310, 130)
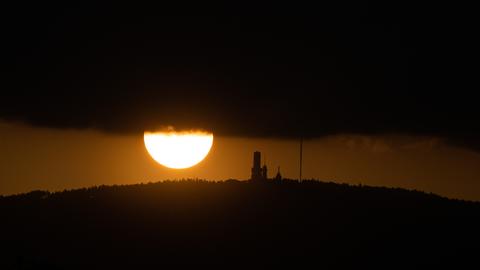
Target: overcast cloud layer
(276, 71)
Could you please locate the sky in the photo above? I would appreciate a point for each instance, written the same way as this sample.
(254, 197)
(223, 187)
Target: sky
(355, 78)
(57, 159)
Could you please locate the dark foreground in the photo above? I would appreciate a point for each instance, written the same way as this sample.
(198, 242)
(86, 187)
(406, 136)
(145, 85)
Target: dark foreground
(238, 224)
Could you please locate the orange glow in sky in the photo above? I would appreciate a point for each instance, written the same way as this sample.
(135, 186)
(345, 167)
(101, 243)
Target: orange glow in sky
(41, 158)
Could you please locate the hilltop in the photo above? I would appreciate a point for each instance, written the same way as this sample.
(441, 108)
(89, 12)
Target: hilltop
(235, 223)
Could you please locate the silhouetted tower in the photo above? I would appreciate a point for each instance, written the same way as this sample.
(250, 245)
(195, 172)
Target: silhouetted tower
(264, 168)
(278, 177)
(256, 169)
(264, 172)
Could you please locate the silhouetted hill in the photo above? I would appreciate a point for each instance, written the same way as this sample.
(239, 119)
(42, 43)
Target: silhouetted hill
(237, 225)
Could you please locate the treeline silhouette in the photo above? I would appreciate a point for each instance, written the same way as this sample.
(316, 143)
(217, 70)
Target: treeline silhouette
(237, 224)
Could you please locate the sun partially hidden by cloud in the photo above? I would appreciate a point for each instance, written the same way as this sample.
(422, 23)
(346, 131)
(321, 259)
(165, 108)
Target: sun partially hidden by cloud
(178, 150)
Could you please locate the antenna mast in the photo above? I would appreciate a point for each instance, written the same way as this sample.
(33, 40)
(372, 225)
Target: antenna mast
(301, 157)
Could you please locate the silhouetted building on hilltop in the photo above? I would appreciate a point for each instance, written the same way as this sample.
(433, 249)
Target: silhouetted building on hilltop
(278, 177)
(264, 172)
(258, 173)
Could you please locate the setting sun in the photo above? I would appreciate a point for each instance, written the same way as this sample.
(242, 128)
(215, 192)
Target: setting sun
(178, 150)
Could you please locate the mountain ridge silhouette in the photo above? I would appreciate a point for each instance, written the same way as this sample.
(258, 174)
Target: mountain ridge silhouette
(237, 223)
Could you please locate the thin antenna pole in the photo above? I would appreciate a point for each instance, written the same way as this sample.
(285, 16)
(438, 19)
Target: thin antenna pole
(301, 157)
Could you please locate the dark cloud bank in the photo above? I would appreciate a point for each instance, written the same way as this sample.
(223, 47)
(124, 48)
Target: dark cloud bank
(273, 70)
